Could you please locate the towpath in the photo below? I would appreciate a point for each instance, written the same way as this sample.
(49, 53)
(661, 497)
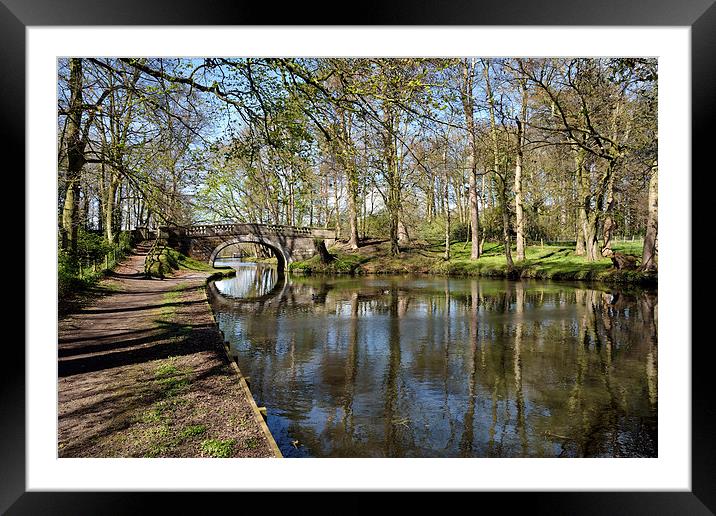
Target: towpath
(143, 373)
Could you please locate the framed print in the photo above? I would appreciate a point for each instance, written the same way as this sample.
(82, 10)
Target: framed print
(660, 462)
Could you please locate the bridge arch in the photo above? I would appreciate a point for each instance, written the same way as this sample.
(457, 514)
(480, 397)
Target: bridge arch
(281, 256)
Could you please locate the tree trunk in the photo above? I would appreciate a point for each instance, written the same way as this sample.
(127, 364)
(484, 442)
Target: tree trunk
(75, 158)
(475, 250)
(335, 201)
(352, 210)
(590, 236)
(649, 255)
(609, 224)
(320, 246)
(468, 103)
(347, 158)
(403, 236)
(506, 226)
(502, 187)
(589, 218)
(581, 248)
(392, 176)
(446, 198)
(430, 204)
(519, 211)
(109, 206)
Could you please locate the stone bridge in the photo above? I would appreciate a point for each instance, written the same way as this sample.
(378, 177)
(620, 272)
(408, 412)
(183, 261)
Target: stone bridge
(288, 243)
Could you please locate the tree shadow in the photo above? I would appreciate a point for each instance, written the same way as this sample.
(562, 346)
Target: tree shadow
(138, 308)
(117, 411)
(172, 339)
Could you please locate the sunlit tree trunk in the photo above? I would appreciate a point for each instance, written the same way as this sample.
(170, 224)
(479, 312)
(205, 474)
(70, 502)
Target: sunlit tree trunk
(337, 205)
(468, 103)
(352, 209)
(109, 206)
(519, 209)
(496, 172)
(650, 238)
(392, 176)
(347, 158)
(403, 235)
(609, 224)
(505, 224)
(580, 249)
(446, 201)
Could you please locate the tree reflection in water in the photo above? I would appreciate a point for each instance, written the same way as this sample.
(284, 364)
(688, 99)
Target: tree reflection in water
(435, 367)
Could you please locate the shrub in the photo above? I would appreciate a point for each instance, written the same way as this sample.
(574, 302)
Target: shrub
(459, 231)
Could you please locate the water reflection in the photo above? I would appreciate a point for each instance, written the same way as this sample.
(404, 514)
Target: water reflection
(438, 367)
(252, 280)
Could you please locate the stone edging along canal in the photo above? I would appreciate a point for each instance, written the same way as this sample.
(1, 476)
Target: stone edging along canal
(259, 413)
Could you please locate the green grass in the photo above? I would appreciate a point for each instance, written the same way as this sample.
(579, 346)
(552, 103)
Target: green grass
(193, 431)
(169, 300)
(555, 262)
(170, 379)
(160, 264)
(543, 262)
(344, 263)
(218, 448)
(158, 431)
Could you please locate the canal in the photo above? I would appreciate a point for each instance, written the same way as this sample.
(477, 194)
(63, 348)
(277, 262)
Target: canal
(425, 366)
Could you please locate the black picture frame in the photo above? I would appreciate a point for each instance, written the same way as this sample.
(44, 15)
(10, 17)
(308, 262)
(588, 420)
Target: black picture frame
(700, 15)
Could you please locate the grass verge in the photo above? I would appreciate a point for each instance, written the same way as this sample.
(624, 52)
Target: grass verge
(541, 262)
(167, 260)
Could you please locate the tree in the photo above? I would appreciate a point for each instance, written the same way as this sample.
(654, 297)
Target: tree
(649, 252)
(468, 104)
(500, 170)
(521, 121)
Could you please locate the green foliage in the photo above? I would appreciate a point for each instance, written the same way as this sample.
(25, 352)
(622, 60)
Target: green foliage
(491, 223)
(344, 263)
(81, 270)
(378, 224)
(193, 431)
(91, 246)
(68, 279)
(432, 231)
(164, 260)
(459, 231)
(218, 448)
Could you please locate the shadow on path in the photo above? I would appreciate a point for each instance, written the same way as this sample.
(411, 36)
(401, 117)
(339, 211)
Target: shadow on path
(172, 340)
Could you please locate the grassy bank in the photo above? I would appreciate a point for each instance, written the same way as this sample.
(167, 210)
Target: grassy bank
(94, 259)
(542, 262)
(162, 262)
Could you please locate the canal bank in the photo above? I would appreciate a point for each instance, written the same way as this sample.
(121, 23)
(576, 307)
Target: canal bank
(143, 372)
(543, 262)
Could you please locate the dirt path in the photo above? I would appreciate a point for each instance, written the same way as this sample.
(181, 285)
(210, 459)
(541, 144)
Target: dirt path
(142, 373)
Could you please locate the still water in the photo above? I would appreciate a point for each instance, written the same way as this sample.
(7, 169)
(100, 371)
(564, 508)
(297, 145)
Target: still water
(418, 366)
